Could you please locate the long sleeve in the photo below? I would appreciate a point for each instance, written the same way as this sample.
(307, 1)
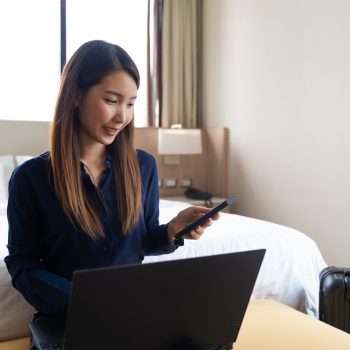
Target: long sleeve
(45, 291)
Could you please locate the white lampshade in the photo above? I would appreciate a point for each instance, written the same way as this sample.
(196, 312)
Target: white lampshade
(179, 141)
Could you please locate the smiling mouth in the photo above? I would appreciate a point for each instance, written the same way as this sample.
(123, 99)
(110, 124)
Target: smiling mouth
(110, 131)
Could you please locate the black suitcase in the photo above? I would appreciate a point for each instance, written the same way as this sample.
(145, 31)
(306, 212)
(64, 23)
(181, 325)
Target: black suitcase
(334, 304)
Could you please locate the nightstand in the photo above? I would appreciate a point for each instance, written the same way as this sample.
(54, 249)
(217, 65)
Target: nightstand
(215, 200)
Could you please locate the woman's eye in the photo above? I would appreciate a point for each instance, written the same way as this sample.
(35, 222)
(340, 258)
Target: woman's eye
(111, 101)
(130, 105)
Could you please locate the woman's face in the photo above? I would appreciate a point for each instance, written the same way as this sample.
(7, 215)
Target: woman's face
(105, 109)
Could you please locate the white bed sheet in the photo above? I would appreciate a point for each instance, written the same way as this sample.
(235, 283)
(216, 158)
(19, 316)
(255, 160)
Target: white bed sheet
(292, 263)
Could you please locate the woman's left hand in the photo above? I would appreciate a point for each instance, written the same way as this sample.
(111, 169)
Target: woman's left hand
(186, 217)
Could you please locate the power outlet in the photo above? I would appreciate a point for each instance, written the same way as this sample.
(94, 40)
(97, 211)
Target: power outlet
(185, 183)
(160, 183)
(169, 183)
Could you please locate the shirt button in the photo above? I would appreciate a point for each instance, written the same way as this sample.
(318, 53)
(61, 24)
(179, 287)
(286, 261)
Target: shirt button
(105, 248)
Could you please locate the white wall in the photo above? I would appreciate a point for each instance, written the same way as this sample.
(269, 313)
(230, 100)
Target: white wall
(277, 73)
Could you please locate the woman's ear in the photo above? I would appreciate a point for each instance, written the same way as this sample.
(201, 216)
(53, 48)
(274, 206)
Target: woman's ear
(78, 99)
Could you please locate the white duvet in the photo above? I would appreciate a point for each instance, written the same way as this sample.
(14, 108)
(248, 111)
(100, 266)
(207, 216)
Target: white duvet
(289, 273)
(292, 263)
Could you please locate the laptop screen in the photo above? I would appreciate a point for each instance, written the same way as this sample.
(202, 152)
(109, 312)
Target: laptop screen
(196, 303)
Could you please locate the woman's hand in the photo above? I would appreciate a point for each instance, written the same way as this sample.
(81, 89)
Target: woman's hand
(186, 217)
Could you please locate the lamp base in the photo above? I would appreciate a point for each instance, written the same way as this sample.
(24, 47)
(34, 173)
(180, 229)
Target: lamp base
(171, 160)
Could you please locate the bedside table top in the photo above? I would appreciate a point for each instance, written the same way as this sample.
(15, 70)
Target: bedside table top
(200, 202)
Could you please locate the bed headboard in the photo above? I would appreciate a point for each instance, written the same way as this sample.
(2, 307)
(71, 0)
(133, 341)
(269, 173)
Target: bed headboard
(23, 137)
(207, 171)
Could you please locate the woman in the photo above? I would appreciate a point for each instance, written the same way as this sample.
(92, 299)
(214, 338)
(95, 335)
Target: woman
(92, 201)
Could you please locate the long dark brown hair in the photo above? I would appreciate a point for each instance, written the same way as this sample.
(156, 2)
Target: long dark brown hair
(92, 62)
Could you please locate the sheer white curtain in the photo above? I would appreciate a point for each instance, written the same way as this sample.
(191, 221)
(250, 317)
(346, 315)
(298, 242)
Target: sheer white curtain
(30, 59)
(121, 22)
(154, 61)
(181, 63)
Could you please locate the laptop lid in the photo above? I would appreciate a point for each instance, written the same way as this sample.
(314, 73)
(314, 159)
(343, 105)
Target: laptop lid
(195, 303)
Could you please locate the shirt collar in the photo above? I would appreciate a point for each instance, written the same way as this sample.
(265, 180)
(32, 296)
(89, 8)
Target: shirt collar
(108, 160)
(108, 163)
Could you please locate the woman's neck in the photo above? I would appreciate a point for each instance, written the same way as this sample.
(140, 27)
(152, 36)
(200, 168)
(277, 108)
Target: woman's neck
(93, 154)
(93, 159)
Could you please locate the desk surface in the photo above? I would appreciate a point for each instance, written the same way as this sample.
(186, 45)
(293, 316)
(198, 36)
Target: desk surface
(269, 325)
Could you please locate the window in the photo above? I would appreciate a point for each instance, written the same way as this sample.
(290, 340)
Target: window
(30, 69)
(29, 61)
(121, 22)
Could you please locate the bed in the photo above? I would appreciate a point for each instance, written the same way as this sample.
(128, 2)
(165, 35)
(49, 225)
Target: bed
(289, 273)
(291, 267)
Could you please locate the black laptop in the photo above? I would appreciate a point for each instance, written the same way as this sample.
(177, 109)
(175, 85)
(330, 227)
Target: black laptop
(196, 303)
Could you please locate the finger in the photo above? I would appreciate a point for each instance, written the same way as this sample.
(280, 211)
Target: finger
(199, 210)
(199, 230)
(206, 223)
(195, 235)
(215, 216)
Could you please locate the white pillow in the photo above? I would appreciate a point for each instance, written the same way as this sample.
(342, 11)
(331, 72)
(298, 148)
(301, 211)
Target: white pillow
(14, 310)
(22, 158)
(3, 210)
(3, 190)
(7, 165)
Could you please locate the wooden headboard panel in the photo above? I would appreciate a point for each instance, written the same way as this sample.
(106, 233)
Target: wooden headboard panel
(24, 137)
(207, 171)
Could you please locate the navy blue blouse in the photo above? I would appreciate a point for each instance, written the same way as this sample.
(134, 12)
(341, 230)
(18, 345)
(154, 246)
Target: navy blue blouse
(45, 247)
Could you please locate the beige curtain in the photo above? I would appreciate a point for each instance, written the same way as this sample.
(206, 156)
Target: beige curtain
(154, 58)
(181, 63)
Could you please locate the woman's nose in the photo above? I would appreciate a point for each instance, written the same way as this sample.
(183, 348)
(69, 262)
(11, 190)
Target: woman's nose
(121, 114)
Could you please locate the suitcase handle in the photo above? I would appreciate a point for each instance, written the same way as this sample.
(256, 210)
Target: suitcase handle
(347, 286)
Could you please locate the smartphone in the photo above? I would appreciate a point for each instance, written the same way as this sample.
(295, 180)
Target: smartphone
(205, 217)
